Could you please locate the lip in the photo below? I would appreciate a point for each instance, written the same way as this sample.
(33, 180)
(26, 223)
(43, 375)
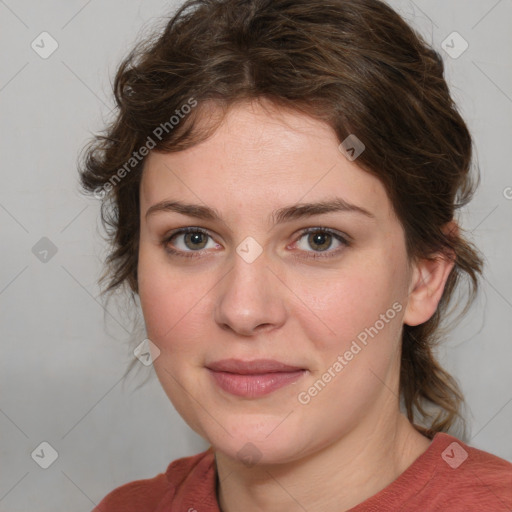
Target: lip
(252, 379)
(256, 366)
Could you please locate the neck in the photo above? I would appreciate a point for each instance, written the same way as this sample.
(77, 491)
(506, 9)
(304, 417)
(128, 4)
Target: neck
(334, 479)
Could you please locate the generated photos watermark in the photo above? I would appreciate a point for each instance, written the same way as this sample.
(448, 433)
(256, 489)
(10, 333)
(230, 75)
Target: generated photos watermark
(304, 397)
(158, 133)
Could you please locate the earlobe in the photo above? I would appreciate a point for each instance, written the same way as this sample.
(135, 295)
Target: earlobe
(428, 280)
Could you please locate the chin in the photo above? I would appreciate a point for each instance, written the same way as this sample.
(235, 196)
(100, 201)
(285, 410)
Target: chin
(257, 439)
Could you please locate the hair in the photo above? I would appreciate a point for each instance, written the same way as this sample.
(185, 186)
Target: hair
(353, 64)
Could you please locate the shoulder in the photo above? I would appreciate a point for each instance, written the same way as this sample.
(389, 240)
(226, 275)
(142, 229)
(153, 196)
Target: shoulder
(449, 475)
(475, 472)
(147, 494)
(136, 496)
(461, 477)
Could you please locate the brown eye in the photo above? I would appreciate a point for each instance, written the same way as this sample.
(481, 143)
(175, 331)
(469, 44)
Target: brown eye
(320, 240)
(195, 240)
(187, 241)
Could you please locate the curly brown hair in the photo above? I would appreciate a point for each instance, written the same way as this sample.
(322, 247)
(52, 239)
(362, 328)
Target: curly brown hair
(354, 64)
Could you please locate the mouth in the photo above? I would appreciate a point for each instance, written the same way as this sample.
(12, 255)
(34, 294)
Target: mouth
(252, 379)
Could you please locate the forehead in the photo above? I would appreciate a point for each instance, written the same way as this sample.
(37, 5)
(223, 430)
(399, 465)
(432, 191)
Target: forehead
(260, 158)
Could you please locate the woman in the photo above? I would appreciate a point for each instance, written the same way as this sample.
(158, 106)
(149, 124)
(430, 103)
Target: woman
(281, 183)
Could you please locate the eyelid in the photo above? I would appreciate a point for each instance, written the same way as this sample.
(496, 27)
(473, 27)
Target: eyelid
(181, 231)
(334, 232)
(343, 238)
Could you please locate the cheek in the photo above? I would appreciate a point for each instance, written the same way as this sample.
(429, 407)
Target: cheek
(361, 312)
(341, 305)
(168, 298)
(178, 311)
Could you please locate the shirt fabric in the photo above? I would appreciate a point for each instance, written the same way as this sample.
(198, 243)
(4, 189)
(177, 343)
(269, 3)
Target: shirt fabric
(448, 476)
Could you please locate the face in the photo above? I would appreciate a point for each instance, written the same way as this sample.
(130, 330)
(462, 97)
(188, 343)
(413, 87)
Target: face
(320, 290)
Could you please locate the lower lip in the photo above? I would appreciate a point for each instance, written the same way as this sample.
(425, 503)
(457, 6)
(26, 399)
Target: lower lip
(253, 386)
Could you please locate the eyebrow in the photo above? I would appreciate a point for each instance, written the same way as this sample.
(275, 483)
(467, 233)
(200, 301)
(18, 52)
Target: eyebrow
(286, 214)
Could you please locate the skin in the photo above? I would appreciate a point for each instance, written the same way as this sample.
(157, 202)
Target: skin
(350, 440)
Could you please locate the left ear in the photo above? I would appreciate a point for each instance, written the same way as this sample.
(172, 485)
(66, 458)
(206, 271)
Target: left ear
(427, 283)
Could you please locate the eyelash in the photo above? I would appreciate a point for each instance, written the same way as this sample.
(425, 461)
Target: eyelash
(314, 254)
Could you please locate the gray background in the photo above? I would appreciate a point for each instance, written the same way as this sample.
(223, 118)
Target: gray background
(64, 353)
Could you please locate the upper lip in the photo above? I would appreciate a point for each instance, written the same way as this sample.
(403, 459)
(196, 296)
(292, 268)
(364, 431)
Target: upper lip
(256, 366)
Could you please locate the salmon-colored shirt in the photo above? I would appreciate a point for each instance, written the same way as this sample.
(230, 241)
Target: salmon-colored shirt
(448, 476)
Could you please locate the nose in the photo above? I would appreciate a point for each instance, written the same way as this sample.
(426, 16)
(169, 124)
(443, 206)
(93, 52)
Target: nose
(251, 299)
